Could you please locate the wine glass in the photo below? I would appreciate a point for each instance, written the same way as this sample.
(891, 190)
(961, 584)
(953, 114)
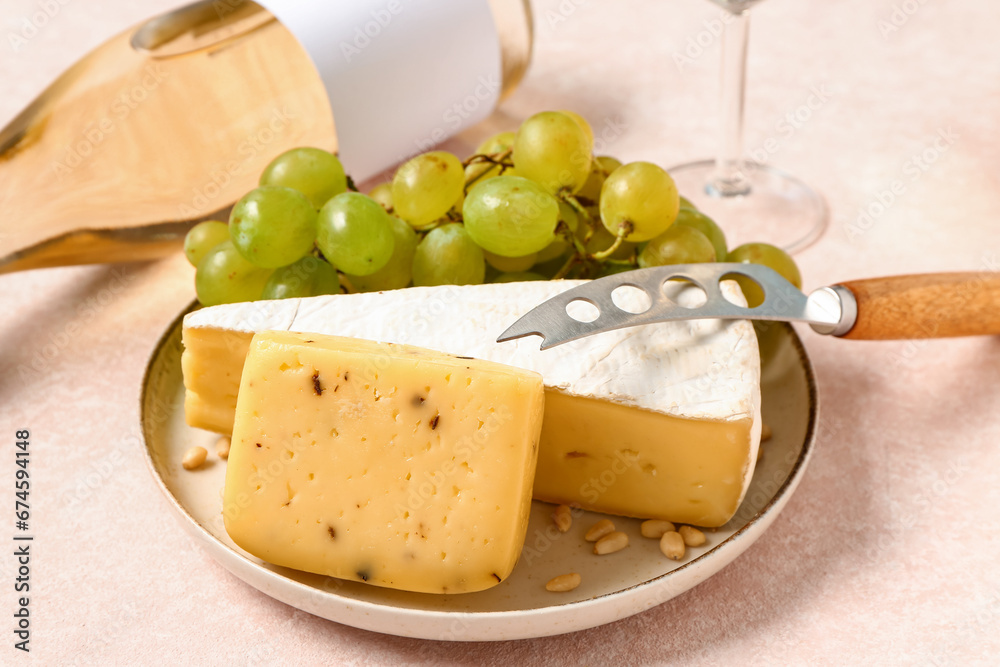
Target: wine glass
(741, 194)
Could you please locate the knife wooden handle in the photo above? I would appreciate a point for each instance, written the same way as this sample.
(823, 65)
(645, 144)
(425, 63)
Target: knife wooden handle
(933, 305)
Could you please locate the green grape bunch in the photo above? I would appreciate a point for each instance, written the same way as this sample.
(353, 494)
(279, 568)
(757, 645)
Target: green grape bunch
(530, 203)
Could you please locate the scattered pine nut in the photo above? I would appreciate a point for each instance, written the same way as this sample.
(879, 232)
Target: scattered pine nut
(765, 433)
(655, 528)
(672, 545)
(599, 530)
(562, 518)
(611, 543)
(563, 583)
(194, 457)
(222, 447)
(692, 536)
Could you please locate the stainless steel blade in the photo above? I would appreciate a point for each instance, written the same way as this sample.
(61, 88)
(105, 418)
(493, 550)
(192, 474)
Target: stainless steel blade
(672, 293)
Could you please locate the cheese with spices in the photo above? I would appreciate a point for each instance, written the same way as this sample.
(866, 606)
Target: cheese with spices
(382, 463)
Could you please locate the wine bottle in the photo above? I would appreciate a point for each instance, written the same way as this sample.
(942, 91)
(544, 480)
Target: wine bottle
(172, 121)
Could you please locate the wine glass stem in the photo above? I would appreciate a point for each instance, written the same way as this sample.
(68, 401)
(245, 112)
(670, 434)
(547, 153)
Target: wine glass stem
(729, 179)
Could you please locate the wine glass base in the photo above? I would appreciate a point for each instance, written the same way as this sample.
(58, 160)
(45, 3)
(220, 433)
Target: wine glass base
(778, 209)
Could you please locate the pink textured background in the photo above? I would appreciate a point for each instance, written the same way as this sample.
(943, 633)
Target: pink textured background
(889, 551)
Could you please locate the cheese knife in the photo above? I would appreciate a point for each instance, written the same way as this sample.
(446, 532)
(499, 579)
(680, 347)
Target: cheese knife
(933, 305)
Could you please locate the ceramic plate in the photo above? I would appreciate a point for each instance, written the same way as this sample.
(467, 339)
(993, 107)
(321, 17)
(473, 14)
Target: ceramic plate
(614, 586)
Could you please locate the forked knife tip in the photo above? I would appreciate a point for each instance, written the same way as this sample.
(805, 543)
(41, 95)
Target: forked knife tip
(514, 335)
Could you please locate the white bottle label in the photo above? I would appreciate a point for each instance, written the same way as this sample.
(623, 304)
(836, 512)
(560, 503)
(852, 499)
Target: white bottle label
(402, 75)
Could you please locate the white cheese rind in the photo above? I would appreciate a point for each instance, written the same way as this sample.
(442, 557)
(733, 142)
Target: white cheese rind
(692, 369)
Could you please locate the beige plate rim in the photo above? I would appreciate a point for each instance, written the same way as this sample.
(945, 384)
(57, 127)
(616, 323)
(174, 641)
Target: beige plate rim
(558, 618)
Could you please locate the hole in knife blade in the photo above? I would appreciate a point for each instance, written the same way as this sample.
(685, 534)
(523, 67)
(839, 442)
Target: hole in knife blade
(684, 293)
(631, 299)
(751, 289)
(582, 310)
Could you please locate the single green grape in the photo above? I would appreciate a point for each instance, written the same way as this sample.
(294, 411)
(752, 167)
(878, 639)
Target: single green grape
(584, 125)
(498, 143)
(273, 226)
(398, 271)
(317, 174)
(602, 240)
(770, 335)
(642, 194)
(687, 203)
(553, 150)
(494, 145)
(382, 193)
(689, 217)
(224, 276)
(555, 249)
(767, 255)
(609, 164)
(510, 264)
(355, 233)
(448, 256)
(310, 276)
(510, 216)
(427, 186)
(678, 245)
(569, 215)
(559, 245)
(518, 277)
(599, 172)
(203, 237)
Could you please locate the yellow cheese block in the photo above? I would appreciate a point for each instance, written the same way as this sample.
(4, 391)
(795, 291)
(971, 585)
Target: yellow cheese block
(382, 463)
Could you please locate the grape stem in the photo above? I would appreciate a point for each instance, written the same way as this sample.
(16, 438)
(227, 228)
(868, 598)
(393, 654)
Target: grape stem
(562, 229)
(580, 254)
(492, 158)
(498, 159)
(624, 229)
(588, 219)
(562, 272)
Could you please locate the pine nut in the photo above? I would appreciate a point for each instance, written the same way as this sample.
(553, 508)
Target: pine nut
(655, 528)
(563, 583)
(222, 448)
(692, 536)
(765, 433)
(194, 457)
(599, 530)
(611, 543)
(672, 545)
(562, 518)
